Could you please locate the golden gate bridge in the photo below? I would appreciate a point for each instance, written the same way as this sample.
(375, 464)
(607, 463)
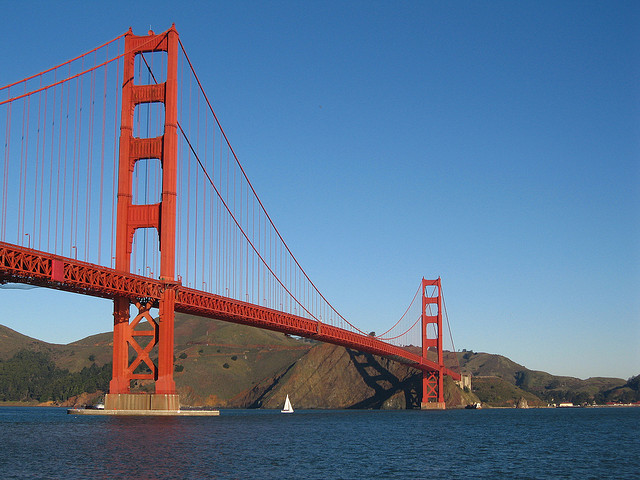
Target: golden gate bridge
(119, 182)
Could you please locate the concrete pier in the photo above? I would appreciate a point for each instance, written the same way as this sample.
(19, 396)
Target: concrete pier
(141, 401)
(433, 406)
(143, 404)
(145, 413)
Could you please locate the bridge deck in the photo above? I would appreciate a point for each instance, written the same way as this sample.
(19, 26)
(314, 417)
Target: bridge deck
(23, 265)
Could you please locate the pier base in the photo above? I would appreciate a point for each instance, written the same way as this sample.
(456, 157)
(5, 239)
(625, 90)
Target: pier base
(144, 413)
(142, 404)
(142, 401)
(433, 406)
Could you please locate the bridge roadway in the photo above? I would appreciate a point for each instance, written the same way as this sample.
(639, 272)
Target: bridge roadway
(34, 267)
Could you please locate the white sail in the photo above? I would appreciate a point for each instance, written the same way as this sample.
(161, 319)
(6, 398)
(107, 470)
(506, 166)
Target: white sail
(287, 406)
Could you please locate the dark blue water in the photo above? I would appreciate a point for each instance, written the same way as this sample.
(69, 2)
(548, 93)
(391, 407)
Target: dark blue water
(498, 444)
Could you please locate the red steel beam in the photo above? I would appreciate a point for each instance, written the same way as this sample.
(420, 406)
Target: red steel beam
(23, 265)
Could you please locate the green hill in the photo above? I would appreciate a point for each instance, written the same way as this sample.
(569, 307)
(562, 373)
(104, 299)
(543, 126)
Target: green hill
(217, 361)
(546, 387)
(73, 357)
(214, 360)
(496, 392)
(227, 365)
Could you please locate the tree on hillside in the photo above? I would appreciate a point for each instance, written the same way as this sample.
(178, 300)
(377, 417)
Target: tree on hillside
(523, 379)
(581, 398)
(634, 383)
(32, 376)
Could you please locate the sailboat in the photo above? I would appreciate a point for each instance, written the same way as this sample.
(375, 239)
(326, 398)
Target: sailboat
(287, 406)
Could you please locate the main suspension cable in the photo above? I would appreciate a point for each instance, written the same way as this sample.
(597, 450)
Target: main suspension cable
(258, 198)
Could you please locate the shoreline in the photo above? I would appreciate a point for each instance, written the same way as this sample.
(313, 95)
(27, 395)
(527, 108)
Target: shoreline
(207, 408)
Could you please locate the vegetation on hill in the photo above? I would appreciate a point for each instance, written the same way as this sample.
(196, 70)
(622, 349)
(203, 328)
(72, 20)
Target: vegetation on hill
(31, 376)
(498, 381)
(73, 357)
(214, 361)
(496, 392)
(627, 393)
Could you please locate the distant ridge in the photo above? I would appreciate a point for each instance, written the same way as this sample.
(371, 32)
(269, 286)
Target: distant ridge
(11, 342)
(498, 373)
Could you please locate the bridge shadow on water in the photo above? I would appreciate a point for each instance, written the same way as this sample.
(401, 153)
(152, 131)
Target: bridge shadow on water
(384, 383)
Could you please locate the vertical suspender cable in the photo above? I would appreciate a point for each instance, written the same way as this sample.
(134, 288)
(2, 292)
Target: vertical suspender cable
(104, 113)
(204, 210)
(42, 170)
(64, 169)
(19, 239)
(78, 160)
(87, 206)
(5, 178)
(53, 132)
(232, 234)
(188, 228)
(114, 194)
(76, 130)
(196, 198)
(26, 170)
(36, 193)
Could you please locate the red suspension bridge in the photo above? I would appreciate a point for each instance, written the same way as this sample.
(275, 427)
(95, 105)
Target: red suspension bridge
(119, 182)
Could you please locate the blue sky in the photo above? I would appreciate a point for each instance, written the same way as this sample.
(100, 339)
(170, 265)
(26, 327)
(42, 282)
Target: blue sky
(494, 144)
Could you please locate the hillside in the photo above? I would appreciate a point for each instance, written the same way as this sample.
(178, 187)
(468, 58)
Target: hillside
(12, 342)
(547, 388)
(216, 361)
(228, 365)
(329, 376)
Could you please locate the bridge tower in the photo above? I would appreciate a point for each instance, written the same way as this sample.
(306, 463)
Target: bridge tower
(432, 389)
(127, 335)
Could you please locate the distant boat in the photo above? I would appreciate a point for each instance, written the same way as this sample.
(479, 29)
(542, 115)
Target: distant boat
(287, 406)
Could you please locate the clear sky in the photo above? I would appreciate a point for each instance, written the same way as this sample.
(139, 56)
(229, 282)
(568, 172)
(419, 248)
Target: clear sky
(494, 144)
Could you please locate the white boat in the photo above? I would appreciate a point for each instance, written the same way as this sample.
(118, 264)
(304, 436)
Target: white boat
(287, 406)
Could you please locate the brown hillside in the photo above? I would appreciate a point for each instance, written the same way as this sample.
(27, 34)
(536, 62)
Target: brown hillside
(12, 342)
(216, 361)
(228, 365)
(335, 377)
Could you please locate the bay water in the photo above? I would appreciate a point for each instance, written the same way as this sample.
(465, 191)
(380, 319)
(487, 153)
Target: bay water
(578, 443)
